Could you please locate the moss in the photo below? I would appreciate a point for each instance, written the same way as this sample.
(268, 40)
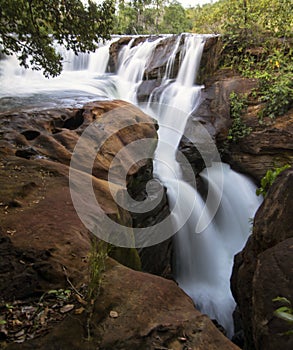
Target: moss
(126, 256)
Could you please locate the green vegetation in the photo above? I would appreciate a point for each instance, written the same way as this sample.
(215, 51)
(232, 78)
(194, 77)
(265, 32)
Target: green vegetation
(151, 17)
(269, 178)
(257, 37)
(31, 28)
(284, 312)
(238, 128)
(97, 257)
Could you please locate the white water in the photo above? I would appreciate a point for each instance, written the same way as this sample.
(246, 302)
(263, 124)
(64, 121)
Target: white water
(82, 80)
(203, 261)
(132, 64)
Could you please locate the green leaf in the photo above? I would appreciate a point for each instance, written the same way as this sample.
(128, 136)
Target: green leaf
(284, 316)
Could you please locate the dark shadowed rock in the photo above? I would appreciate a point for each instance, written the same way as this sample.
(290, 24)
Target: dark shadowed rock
(263, 270)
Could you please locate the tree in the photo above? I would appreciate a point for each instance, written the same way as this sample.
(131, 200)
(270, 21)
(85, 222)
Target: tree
(174, 19)
(32, 28)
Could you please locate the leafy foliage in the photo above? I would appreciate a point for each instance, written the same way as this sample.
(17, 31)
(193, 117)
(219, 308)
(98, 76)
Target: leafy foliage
(257, 36)
(31, 28)
(151, 17)
(269, 178)
(238, 129)
(284, 312)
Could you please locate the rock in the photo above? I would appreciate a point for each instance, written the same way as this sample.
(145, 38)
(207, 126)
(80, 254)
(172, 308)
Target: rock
(213, 113)
(156, 66)
(268, 330)
(268, 146)
(145, 89)
(263, 270)
(210, 59)
(114, 52)
(135, 311)
(36, 208)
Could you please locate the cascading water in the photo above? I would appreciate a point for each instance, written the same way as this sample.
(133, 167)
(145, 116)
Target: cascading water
(203, 260)
(82, 80)
(132, 63)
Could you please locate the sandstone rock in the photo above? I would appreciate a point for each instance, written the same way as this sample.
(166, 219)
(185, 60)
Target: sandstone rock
(156, 66)
(36, 204)
(263, 270)
(210, 58)
(114, 52)
(213, 113)
(152, 313)
(268, 146)
(269, 332)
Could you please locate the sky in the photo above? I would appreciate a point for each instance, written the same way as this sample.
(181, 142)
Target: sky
(187, 3)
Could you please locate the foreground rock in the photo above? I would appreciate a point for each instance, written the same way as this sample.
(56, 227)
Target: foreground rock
(264, 270)
(135, 311)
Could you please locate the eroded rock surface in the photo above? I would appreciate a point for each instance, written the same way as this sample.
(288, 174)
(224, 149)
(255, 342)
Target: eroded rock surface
(135, 311)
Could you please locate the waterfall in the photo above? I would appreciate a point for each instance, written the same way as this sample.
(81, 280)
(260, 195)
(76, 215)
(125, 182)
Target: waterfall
(81, 80)
(210, 231)
(203, 260)
(132, 63)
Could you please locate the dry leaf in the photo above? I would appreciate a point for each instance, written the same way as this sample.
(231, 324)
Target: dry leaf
(66, 308)
(113, 314)
(16, 322)
(80, 300)
(79, 311)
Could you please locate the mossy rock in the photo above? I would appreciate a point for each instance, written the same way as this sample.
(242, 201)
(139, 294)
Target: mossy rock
(126, 256)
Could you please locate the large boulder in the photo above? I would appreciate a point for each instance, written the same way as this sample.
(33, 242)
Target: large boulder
(36, 210)
(263, 270)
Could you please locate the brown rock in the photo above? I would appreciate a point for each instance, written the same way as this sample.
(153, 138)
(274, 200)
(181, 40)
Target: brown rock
(272, 278)
(156, 66)
(268, 146)
(36, 209)
(153, 313)
(114, 52)
(263, 270)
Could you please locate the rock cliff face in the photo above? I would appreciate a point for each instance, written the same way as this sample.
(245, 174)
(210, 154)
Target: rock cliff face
(264, 270)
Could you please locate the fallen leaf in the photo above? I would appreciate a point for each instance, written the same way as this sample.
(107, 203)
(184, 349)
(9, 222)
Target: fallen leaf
(66, 308)
(16, 322)
(182, 338)
(80, 300)
(113, 314)
(79, 311)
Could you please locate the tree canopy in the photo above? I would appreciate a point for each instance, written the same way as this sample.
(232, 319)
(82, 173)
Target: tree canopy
(32, 28)
(151, 17)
